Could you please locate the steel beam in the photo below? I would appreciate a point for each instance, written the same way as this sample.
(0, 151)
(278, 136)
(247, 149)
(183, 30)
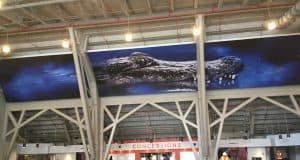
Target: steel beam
(82, 135)
(245, 2)
(216, 147)
(55, 13)
(295, 103)
(13, 20)
(202, 106)
(34, 4)
(124, 7)
(103, 7)
(172, 5)
(196, 3)
(148, 4)
(188, 134)
(112, 132)
(82, 86)
(220, 3)
(32, 15)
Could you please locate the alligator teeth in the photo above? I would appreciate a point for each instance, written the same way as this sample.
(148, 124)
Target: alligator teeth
(233, 76)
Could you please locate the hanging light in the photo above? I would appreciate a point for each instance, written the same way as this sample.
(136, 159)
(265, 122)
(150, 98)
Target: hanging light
(65, 43)
(271, 25)
(6, 49)
(128, 37)
(196, 30)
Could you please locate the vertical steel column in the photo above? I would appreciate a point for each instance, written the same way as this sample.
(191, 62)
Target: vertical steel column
(202, 106)
(95, 100)
(3, 120)
(81, 85)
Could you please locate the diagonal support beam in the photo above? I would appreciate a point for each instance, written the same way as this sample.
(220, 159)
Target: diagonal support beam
(196, 3)
(13, 139)
(67, 117)
(27, 121)
(124, 116)
(32, 15)
(82, 135)
(34, 4)
(124, 7)
(75, 41)
(173, 114)
(281, 105)
(55, 13)
(172, 5)
(213, 106)
(187, 131)
(149, 7)
(103, 8)
(234, 110)
(295, 103)
(112, 132)
(13, 20)
(245, 2)
(215, 155)
(220, 3)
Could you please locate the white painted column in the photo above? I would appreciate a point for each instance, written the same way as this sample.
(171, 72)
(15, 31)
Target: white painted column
(2, 113)
(202, 106)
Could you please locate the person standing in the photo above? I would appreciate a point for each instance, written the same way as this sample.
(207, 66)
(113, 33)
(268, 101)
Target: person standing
(224, 156)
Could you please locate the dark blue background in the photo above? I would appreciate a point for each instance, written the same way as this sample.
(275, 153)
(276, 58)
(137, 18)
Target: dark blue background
(38, 78)
(267, 62)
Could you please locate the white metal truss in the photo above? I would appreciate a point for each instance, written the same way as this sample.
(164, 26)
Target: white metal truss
(90, 104)
(225, 114)
(154, 103)
(88, 94)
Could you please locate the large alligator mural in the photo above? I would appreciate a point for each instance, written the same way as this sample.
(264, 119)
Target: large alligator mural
(140, 67)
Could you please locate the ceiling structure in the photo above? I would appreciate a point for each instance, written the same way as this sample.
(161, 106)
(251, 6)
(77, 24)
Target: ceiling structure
(36, 28)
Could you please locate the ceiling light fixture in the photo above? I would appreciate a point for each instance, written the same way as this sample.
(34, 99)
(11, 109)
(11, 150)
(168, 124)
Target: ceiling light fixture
(271, 25)
(196, 30)
(65, 43)
(128, 37)
(6, 49)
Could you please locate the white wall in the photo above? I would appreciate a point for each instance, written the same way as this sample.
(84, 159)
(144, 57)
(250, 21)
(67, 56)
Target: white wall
(130, 156)
(187, 156)
(257, 152)
(69, 156)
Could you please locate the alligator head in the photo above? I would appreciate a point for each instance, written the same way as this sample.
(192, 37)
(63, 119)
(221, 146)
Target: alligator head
(140, 67)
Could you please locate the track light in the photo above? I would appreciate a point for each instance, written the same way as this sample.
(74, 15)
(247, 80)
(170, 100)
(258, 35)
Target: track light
(271, 25)
(6, 49)
(24, 145)
(65, 43)
(128, 37)
(37, 145)
(280, 136)
(196, 30)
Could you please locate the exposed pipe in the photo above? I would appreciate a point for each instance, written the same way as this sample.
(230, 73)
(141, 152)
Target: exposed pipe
(147, 19)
